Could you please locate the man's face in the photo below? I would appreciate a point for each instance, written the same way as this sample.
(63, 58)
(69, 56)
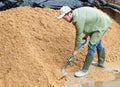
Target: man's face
(68, 17)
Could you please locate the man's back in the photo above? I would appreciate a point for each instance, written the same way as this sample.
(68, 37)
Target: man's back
(89, 18)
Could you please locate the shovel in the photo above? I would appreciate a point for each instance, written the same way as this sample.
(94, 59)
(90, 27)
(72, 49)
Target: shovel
(70, 59)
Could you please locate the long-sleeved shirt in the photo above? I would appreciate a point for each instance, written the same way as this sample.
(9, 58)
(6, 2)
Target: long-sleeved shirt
(89, 21)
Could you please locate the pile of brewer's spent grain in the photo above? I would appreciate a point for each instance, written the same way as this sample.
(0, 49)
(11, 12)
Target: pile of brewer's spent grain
(34, 46)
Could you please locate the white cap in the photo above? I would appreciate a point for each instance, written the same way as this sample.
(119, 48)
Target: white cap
(64, 10)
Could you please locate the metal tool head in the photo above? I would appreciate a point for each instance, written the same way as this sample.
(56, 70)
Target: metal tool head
(64, 72)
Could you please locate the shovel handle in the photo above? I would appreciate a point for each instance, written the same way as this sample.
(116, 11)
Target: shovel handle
(67, 63)
(71, 57)
(83, 43)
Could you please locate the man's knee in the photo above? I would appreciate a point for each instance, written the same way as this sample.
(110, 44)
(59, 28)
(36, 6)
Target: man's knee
(91, 50)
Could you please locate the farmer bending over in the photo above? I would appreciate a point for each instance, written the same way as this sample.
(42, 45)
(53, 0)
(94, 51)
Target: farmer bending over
(93, 23)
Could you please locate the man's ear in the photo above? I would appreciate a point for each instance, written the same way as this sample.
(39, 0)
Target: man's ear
(70, 14)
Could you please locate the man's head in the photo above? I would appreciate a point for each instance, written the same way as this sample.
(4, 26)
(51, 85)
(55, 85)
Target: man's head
(66, 13)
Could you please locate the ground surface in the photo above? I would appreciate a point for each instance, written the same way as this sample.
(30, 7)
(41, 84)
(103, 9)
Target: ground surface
(34, 45)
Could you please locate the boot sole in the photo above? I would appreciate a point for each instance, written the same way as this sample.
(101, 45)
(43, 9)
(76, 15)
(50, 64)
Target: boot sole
(96, 64)
(81, 75)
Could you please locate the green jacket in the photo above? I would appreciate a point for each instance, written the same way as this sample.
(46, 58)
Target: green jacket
(89, 21)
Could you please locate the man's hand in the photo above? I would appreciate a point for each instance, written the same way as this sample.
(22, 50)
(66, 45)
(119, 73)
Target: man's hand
(75, 53)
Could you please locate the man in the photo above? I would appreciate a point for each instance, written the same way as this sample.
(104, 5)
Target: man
(93, 23)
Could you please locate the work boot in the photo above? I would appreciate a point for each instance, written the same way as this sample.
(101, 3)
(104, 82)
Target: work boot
(86, 65)
(101, 58)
